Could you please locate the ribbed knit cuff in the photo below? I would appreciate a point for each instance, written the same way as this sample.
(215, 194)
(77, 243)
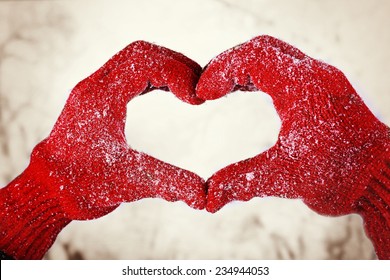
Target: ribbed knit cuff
(30, 218)
(374, 207)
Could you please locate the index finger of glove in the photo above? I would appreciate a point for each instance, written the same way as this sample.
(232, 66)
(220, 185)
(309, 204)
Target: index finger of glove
(263, 63)
(140, 68)
(101, 98)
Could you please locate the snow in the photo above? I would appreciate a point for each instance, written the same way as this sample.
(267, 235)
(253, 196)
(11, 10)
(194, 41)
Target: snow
(250, 176)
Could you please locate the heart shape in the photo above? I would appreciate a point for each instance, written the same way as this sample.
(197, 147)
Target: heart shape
(331, 151)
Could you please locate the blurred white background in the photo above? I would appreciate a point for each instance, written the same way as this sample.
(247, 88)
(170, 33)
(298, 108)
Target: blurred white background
(46, 47)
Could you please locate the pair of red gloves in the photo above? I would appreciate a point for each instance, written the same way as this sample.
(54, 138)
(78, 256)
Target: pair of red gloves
(331, 152)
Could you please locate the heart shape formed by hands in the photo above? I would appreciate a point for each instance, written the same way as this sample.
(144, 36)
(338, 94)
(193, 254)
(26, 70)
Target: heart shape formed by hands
(332, 152)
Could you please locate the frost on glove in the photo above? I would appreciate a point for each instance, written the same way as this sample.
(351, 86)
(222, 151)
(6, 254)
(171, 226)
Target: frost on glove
(85, 168)
(332, 152)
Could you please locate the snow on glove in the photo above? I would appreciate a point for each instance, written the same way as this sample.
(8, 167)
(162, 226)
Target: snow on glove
(332, 152)
(85, 168)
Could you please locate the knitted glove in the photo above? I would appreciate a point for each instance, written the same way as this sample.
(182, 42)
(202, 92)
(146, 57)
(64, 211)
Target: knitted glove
(85, 168)
(332, 152)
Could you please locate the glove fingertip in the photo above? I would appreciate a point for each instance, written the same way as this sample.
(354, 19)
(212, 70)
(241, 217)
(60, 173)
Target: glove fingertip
(195, 195)
(181, 79)
(194, 100)
(213, 84)
(188, 96)
(216, 197)
(212, 207)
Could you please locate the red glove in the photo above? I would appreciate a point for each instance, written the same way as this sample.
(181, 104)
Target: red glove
(332, 152)
(85, 168)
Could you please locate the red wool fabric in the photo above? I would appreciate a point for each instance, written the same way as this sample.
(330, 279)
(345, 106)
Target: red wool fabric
(332, 152)
(85, 168)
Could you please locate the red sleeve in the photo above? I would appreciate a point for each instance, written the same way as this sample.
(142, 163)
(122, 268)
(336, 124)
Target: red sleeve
(30, 217)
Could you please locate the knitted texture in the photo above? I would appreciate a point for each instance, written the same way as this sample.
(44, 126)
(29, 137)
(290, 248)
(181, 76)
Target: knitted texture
(85, 168)
(332, 152)
(31, 216)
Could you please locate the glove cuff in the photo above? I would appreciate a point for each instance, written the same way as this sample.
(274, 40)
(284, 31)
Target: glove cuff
(30, 217)
(374, 207)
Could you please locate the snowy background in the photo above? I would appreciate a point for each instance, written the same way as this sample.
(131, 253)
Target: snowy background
(46, 47)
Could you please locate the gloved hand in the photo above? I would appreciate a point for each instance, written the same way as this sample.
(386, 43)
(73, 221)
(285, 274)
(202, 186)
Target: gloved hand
(85, 168)
(332, 152)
